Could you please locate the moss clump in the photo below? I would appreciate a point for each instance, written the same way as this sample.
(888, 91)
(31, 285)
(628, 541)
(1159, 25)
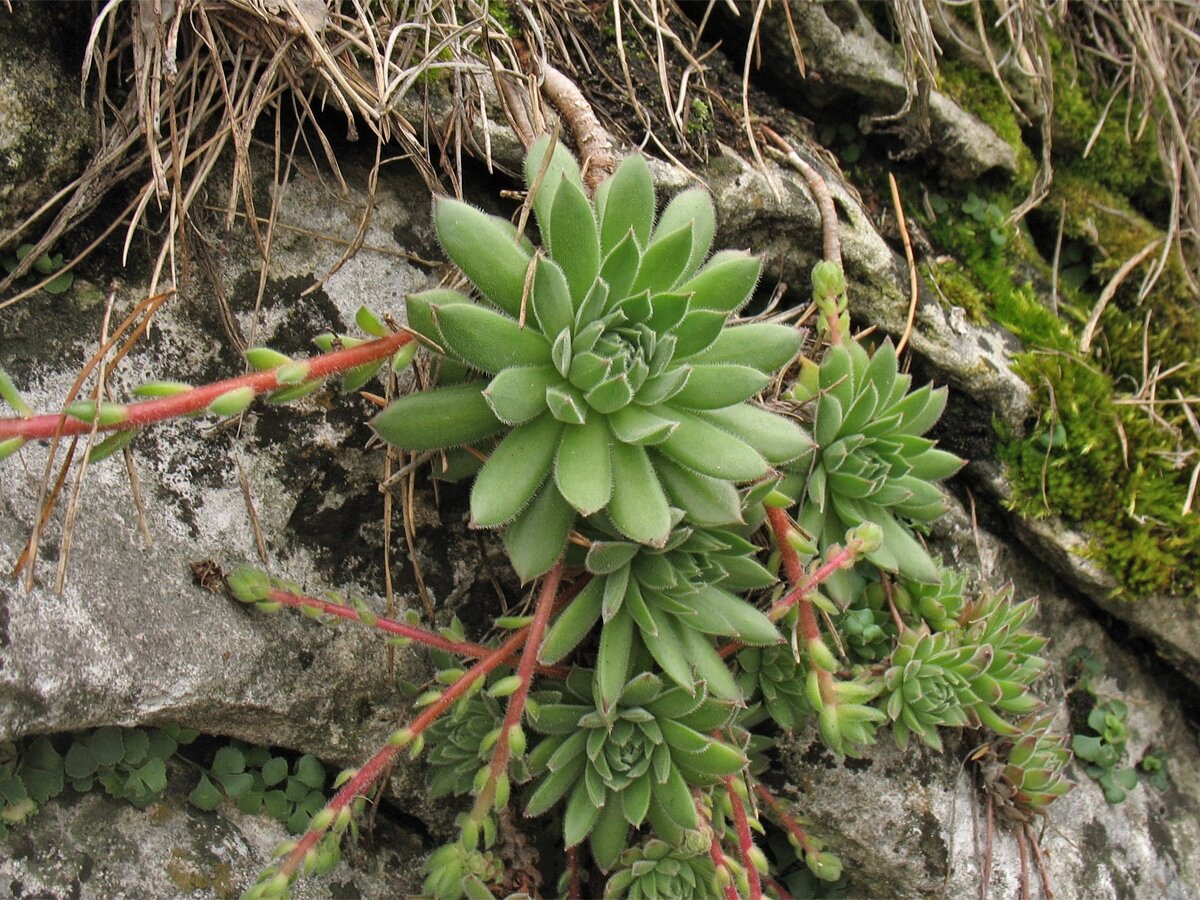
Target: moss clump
(1132, 508)
(1119, 159)
(978, 93)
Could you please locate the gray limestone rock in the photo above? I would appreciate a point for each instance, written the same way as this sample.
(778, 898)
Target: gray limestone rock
(848, 61)
(45, 131)
(92, 847)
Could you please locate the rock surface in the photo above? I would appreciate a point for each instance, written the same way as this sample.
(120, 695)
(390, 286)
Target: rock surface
(848, 61)
(92, 847)
(44, 129)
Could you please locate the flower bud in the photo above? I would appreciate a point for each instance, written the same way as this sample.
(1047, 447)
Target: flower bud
(248, 585)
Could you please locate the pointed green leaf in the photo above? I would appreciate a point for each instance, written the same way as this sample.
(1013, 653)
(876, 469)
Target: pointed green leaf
(605, 557)
(560, 165)
(580, 816)
(664, 261)
(488, 340)
(582, 467)
(706, 500)
(635, 424)
(609, 396)
(675, 800)
(635, 800)
(720, 612)
(431, 420)
(536, 538)
(572, 238)
(419, 312)
(612, 662)
(572, 625)
(697, 330)
(726, 283)
(620, 266)
(710, 667)
(551, 298)
(484, 248)
(669, 652)
(702, 446)
(628, 203)
(778, 439)
(764, 346)
(715, 387)
(638, 506)
(518, 394)
(514, 472)
(609, 835)
(934, 465)
(107, 447)
(691, 207)
(828, 419)
(566, 404)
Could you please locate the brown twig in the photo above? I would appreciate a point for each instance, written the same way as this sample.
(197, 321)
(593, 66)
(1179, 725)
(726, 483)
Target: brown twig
(913, 283)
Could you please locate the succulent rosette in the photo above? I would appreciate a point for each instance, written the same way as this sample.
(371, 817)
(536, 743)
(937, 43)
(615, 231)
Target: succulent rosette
(1031, 773)
(657, 871)
(928, 685)
(872, 463)
(635, 762)
(614, 378)
(671, 601)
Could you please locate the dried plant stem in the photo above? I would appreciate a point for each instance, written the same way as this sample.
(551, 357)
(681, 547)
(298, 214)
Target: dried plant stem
(198, 399)
(745, 840)
(516, 703)
(830, 242)
(913, 285)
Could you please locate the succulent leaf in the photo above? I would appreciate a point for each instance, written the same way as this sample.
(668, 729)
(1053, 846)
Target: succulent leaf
(514, 472)
(695, 208)
(488, 340)
(536, 538)
(626, 203)
(484, 248)
(431, 420)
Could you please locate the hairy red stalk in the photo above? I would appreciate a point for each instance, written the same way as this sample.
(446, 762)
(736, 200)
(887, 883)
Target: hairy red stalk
(718, 858)
(198, 399)
(516, 703)
(778, 888)
(574, 889)
(362, 780)
(391, 626)
(802, 587)
(715, 851)
(779, 813)
(745, 840)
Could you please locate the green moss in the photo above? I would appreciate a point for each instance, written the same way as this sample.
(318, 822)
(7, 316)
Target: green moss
(1128, 167)
(978, 93)
(1131, 508)
(1101, 463)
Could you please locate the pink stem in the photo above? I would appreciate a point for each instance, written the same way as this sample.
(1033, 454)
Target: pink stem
(779, 812)
(745, 841)
(198, 399)
(375, 767)
(516, 703)
(391, 626)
